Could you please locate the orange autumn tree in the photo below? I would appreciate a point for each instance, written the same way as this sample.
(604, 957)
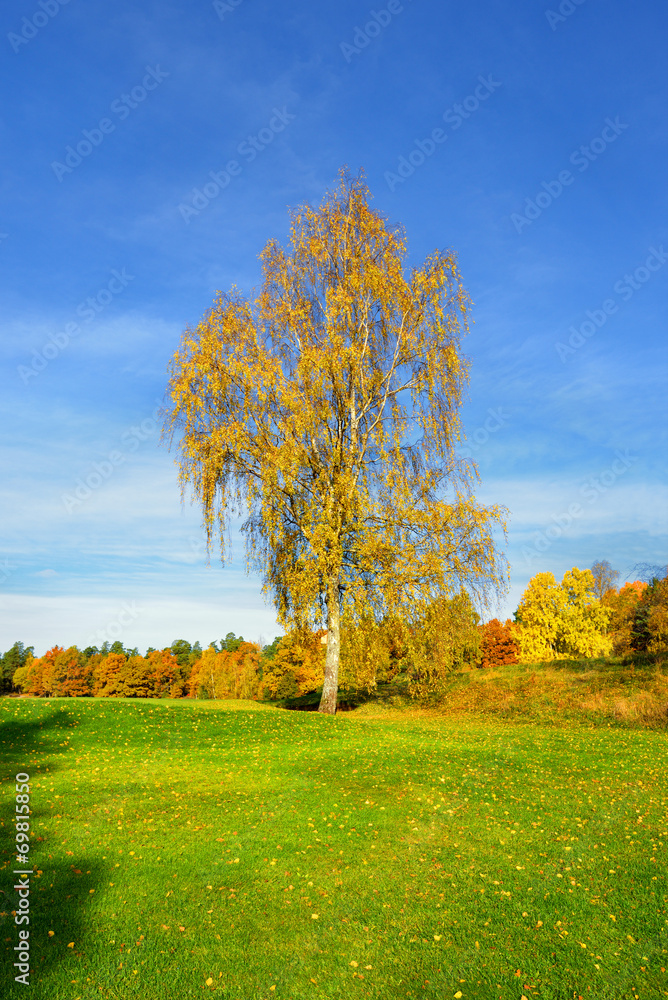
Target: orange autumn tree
(165, 672)
(292, 407)
(624, 605)
(107, 675)
(74, 675)
(497, 644)
(52, 673)
(136, 679)
(60, 673)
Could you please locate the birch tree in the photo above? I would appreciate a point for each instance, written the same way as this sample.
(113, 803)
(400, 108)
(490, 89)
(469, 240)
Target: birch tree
(295, 407)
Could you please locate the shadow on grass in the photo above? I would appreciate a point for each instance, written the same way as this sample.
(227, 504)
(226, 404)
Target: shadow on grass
(59, 892)
(348, 699)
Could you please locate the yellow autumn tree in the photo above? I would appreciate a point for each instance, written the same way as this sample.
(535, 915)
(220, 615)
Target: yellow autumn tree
(226, 674)
(536, 626)
(205, 673)
(292, 408)
(427, 650)
(584, 620)
(298, 666)
(556, 621)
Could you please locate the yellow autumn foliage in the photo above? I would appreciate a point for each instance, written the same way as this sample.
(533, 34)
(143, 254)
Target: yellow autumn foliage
(291, 408)
(557, 621)
(298, 666)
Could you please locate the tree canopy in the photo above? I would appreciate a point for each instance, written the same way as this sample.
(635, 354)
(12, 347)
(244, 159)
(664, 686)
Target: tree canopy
(292, 408)
(562, 620)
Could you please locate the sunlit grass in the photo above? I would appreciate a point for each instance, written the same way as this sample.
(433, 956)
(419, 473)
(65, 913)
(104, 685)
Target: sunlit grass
(237, 849)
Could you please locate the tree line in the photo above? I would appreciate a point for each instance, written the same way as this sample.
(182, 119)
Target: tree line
(585, 615)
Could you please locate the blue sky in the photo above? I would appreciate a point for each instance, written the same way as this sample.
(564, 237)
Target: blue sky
(529, 137)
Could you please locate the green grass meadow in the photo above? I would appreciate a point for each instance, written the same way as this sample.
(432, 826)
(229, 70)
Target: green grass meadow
(186, 849)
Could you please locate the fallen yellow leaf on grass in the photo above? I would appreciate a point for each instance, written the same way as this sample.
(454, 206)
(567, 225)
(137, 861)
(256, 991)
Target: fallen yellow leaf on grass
(314, 916)
(209, 981)
(71, 944)
(272, 988)
(181, 928)
(437, 937)
(458, 994)
(354, 964)
(51, 933)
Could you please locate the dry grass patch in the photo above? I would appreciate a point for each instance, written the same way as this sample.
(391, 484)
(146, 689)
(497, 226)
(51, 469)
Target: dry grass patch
(632, 692)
